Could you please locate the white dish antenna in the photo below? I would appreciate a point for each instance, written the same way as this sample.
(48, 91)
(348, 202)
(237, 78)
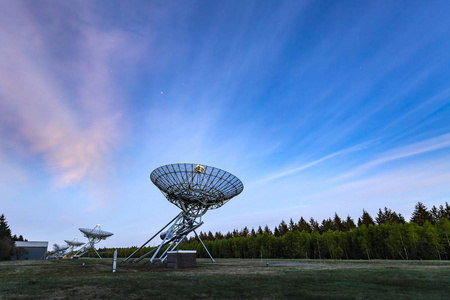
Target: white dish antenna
(96, 232)
(94, 236)
(73, 244)
(195, 189)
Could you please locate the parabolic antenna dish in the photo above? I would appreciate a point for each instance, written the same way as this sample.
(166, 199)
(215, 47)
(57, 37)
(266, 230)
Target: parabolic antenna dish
(74, 243)
(96, 232)
(195, 189)
(63, 247)
(94, 235)
(187, 185)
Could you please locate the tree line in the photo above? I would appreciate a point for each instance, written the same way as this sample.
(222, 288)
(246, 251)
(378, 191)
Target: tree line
(387, 236)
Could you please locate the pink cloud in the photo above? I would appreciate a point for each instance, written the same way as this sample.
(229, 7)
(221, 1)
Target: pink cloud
(72, 126)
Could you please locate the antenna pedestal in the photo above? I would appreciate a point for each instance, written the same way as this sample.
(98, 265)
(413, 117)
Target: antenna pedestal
(180, 226)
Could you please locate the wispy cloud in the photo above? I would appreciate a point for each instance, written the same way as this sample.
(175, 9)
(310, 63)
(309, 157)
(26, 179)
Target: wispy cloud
(311, 164)
(398, 188)
(66, 111)
(429, 145)
(428, 106)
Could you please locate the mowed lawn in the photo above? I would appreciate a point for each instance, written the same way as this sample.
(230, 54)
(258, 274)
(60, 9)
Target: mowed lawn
(235, 279)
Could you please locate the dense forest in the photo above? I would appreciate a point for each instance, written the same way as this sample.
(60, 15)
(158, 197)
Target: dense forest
(388, 236)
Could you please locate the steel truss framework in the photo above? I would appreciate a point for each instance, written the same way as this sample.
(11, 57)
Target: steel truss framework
(94, 236)
(194, 189)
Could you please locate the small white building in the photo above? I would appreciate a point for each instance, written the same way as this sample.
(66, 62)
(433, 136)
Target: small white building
(31, 250)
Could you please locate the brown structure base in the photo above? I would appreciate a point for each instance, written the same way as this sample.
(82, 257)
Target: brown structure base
(182, 259)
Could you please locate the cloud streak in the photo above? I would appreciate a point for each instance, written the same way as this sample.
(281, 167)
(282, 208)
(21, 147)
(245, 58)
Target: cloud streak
(422, 147)
(397, 188)
(66, 112)
(295, 170)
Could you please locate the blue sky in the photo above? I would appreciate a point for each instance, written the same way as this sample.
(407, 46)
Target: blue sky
(317, 106)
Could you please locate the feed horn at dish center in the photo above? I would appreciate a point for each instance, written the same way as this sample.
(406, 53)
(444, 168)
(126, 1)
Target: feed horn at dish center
(194, 189)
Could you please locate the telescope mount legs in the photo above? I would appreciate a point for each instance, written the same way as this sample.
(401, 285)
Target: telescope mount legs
(212, 259)
(180, 227)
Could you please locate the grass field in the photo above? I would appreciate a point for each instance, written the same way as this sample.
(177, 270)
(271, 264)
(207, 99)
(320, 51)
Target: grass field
(235, 279)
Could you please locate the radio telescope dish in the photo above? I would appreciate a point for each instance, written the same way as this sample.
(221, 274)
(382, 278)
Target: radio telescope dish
(59, 250)
(195, 186)
(75, 243)
(195, 189)
(95, 233)
(94, 236)
(63, 247)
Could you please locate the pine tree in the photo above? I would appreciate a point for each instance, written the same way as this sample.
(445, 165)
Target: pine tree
(6, 241)
(260, 231)
(435, 214)
(445, 211)
(381, 216)
(5, 232)
(365, 219)
(420, 214)
(326, 225)
(303, 225)
(283, 228)
(338, 222)
(348, 224)
(267, 230)
(388, 216)
(314, 225)
(292, 226)
(441, 212)
(399, 218)
(276, 232)
(244, 232)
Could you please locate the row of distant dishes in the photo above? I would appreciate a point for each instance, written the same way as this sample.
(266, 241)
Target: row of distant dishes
(93, 235)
